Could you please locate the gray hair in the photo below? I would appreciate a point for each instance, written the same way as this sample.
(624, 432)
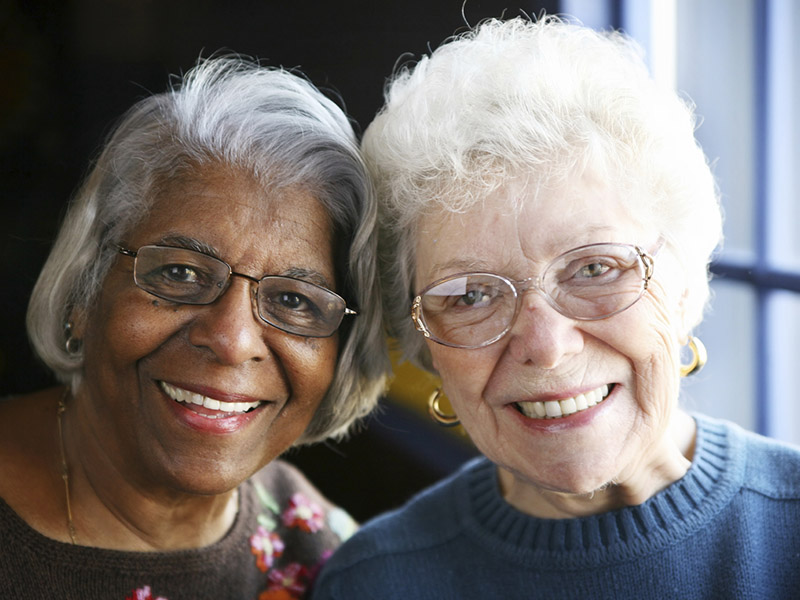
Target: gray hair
(541, 101)
(267, 122)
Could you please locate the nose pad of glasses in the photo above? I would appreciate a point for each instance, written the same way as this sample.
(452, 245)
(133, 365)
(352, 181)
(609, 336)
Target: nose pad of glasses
(253, 293)
(254, 302)
(536, 285)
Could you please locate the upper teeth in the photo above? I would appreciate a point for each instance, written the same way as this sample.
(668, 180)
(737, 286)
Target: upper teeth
(553, 409)
(188, 397)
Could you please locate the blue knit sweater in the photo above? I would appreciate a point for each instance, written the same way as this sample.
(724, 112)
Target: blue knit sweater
(730, 528)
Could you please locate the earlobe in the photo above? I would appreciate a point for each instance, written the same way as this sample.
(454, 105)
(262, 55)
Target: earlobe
(77, 322)
(74, 331)
(681, 316)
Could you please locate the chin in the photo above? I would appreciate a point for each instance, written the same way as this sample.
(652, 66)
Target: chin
(208, 478)
(568, 481)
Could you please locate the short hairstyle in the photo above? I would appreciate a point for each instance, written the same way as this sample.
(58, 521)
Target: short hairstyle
(267, 123)
(543, 102)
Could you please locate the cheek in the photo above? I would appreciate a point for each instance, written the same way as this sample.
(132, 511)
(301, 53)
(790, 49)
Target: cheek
(646, 330)
(311, 365)
(465, 373)
(127, 329)
(646, 335)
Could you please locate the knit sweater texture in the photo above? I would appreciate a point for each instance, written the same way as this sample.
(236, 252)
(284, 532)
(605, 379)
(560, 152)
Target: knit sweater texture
(282, 533)
(728, 529)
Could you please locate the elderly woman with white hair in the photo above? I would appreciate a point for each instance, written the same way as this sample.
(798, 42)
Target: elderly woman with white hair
(211, 300)
(547, 224)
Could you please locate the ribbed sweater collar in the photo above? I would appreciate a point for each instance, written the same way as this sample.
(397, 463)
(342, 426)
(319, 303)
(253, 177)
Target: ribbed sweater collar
(674, 513)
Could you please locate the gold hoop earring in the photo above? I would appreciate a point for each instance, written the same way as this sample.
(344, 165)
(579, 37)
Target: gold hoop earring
(435, 412)
(699, 357)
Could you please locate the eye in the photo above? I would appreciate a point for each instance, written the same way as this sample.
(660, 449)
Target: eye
(180, 273)
(465, 293)
(293, 301)
(290, 306)
(184, 275)
(594, 269)
(477, 297)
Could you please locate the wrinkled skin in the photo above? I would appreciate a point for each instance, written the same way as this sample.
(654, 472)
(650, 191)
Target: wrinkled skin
(619, 452)
(150, 472)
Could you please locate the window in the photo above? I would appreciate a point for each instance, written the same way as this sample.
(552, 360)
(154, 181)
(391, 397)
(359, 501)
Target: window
(739, 61)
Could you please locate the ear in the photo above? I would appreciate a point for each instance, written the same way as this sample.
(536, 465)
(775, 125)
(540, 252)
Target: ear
(77, 320)
(681, 319)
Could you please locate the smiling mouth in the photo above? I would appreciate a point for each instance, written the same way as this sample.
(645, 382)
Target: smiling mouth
(215, 408)
(555, 409)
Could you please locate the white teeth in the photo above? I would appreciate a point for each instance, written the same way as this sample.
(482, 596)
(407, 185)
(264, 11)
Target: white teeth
(553, 409)
(568, 406)
(187, 397)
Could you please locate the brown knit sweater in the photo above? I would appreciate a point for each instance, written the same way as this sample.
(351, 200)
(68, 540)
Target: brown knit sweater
(283, 532)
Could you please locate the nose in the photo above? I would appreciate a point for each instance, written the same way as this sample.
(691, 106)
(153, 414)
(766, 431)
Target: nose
(541, 335)
(230, 327)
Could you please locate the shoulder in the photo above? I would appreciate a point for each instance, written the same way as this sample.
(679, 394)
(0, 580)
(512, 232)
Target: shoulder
(284, 479)
(771, 467)
(28, 454)
(431, 518)
(282, 487)
(292, 528)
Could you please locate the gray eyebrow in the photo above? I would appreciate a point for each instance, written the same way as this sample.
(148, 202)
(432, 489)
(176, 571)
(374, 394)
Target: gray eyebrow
(308, 275)
(182, 241)
(190, 243)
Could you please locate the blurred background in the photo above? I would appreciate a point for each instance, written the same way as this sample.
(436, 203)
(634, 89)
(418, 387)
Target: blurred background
(69, 68)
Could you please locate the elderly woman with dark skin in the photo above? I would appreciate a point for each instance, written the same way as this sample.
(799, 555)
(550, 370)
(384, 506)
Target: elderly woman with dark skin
(211, 301)
(547, 222)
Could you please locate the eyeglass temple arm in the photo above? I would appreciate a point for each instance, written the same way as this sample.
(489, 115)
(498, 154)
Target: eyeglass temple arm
(126, 252)
(416, 316)
(649, 264)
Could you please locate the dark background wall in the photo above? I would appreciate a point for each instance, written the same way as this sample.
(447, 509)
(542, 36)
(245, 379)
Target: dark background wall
(69, 68)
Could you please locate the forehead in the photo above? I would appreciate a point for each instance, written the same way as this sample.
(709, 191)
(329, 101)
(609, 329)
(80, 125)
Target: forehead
(518, 228)
(246, 223)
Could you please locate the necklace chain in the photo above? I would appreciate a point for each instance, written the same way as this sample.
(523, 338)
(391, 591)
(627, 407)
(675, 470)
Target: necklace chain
(64, 469)
(73, 536)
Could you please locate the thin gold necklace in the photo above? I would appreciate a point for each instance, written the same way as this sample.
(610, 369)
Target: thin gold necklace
(64, 470)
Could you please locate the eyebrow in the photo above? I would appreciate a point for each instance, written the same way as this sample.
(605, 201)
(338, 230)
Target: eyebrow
(460, 265)
(308, 275)
(182, 241)
(189, 243)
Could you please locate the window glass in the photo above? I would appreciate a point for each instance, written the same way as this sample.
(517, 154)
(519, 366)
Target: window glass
(725, 388)
(783, 412)
(783, 135)
(716, 69)
(592, 13)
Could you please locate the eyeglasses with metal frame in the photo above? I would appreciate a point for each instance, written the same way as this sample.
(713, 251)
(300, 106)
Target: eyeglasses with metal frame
(588, 283)
(187, 276)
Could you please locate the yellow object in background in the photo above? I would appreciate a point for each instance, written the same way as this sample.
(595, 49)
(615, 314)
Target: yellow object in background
(411, 387)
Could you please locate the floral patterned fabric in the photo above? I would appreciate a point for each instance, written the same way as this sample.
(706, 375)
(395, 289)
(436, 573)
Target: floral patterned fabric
(284, 532)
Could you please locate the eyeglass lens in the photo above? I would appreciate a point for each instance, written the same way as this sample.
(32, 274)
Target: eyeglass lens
(592, 282)
(190, 277)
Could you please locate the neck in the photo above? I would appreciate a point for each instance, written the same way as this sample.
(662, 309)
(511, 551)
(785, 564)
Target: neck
(667, 461)
(105, 509)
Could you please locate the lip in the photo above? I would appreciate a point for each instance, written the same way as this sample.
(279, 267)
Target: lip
(577, 419)
(211, 421)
